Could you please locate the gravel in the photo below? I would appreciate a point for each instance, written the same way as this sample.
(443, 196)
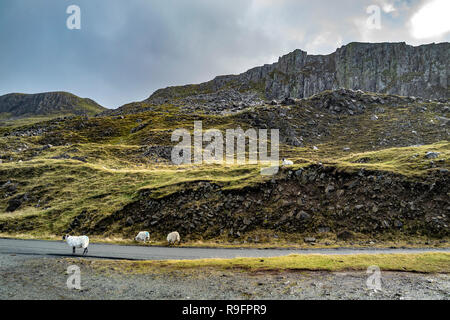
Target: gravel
(32, 277)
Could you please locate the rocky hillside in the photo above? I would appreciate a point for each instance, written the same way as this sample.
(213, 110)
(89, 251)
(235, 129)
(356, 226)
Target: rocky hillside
(368, 165)
(392, 68)
(313, 200)
(46, 104)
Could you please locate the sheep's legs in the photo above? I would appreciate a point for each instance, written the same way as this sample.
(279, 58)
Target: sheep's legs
(73, 250)
(85, 251)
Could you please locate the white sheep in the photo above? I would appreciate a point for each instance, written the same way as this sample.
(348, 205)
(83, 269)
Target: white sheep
(77, 242)
(287, 162)
(173, 237)
(142, 236)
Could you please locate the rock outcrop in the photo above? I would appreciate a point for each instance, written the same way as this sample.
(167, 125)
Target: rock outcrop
(392, 68)
(48, 103)
(312, 200)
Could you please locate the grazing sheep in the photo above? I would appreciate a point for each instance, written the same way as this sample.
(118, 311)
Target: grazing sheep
(77, 242)
(143, 236)
(287, 162)
(173, 237)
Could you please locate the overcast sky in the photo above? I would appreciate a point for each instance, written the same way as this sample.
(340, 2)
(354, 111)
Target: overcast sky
(125, 50)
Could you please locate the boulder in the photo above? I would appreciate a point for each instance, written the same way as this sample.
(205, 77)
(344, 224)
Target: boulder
(432, 155)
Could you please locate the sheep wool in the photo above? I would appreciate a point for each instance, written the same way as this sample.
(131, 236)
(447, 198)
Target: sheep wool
(142, 236)
(173, 237)
(287, 162)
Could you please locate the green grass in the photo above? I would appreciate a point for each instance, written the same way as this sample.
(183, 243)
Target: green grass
(408, 161)
(66, 188)
(7, 122)
(112, 179)
(116, 172)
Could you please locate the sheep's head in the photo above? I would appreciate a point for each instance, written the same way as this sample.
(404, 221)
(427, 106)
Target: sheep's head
(65, 237)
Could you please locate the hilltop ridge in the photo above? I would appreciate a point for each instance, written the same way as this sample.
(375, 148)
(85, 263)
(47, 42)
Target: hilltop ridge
(46, 104)
(391, 68)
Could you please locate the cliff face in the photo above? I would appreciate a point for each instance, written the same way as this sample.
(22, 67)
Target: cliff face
(393, 68)
(49, 103)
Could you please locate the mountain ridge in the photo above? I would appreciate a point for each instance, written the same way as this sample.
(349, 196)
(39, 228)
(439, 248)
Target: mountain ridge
(392, 68)
(47, 104)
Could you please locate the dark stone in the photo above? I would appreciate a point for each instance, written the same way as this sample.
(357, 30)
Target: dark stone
(298, 173)
(14, 204)
(398, 224)
(129, 221)
(345, 235)
(432, 155)
(302, 215)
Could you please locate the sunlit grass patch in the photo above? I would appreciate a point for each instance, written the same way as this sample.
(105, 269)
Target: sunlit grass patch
(408, 161)
(436, 262)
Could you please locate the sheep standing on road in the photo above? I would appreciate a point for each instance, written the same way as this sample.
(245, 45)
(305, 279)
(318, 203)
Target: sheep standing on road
(287, 162)
(143, 236)
(77, 242)
(173, 237)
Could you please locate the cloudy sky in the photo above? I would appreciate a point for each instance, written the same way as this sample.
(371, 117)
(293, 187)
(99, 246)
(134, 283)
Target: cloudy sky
(127, 49)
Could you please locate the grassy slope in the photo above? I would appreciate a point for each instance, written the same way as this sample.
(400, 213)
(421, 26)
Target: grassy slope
(408, 161)
(66, 188)
(25, 109)
(425, 263)
(7, 122)
(115, 172)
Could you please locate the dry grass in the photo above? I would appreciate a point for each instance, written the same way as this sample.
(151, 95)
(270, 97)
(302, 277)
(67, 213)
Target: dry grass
(435, 262)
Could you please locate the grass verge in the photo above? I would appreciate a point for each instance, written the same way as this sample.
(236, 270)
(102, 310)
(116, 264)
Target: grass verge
(435, 262)
(418, 242)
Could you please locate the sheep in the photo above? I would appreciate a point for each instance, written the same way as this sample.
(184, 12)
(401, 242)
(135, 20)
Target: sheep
(173, 237)
(287, 162)
(77, 242)
(143, 236)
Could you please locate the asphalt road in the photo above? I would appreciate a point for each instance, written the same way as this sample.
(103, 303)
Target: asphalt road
(109, 251)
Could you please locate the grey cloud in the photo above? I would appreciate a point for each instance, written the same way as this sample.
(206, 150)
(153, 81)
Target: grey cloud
(128, 49)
